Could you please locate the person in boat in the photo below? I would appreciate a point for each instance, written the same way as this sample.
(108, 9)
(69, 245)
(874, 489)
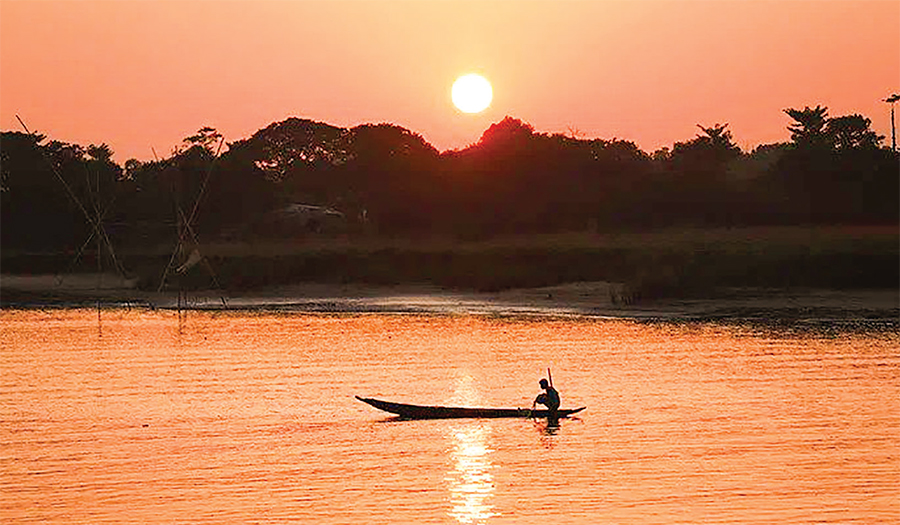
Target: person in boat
(549, 398)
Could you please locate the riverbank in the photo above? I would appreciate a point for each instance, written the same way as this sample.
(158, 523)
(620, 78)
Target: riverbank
(770, 273)
(594, 299)
(660, 264)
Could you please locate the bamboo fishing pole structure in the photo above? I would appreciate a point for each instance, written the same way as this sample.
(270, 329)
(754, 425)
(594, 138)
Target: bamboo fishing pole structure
(185, 229)
(95, 220)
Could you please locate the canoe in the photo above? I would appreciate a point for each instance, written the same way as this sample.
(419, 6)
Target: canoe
(406, 411)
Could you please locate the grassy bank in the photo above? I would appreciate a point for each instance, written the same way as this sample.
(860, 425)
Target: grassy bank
(654, 264)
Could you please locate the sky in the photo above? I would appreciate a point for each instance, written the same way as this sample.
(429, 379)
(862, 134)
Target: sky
(141, 75)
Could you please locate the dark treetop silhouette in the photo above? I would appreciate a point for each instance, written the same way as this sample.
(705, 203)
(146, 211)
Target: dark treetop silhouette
(386, 180)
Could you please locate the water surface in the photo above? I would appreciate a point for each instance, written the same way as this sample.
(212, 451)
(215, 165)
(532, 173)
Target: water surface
(249, 417)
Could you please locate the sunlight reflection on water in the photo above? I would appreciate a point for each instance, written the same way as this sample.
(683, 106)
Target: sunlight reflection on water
(471, 482)
(465, 392)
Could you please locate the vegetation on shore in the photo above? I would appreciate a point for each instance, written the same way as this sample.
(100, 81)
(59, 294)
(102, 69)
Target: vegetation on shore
(666, 263)
(519, 208)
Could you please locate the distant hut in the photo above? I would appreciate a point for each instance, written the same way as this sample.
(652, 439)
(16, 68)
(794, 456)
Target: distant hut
(300, 218)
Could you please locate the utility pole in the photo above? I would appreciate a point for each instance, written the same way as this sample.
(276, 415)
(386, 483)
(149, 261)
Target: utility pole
(890, 100)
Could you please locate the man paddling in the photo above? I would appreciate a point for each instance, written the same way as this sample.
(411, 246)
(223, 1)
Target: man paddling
(550, 398)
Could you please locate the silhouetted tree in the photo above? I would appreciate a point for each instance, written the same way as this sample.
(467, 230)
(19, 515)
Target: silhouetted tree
(390, 174)
(852, 132)
(707, 153)
(32, 199)
(835, 171)
(294, 147)
(700, 187)
(513, 179)
(809, 124)
(53, 192)
(508, 133)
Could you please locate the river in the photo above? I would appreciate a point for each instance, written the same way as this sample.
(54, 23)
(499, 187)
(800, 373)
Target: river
(147, 416)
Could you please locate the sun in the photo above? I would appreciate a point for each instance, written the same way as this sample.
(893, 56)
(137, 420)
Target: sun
(471, 93)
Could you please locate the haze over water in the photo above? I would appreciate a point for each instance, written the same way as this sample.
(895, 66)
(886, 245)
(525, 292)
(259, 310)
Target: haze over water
(250, 417)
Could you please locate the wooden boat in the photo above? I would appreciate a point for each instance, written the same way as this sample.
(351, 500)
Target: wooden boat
(437, 412)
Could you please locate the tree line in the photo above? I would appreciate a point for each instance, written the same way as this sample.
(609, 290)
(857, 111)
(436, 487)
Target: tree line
(389, 180)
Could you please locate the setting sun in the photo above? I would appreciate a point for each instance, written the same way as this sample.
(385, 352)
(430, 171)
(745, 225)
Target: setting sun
(471, 93)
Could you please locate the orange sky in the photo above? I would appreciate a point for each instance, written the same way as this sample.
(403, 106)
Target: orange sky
(142, 74)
